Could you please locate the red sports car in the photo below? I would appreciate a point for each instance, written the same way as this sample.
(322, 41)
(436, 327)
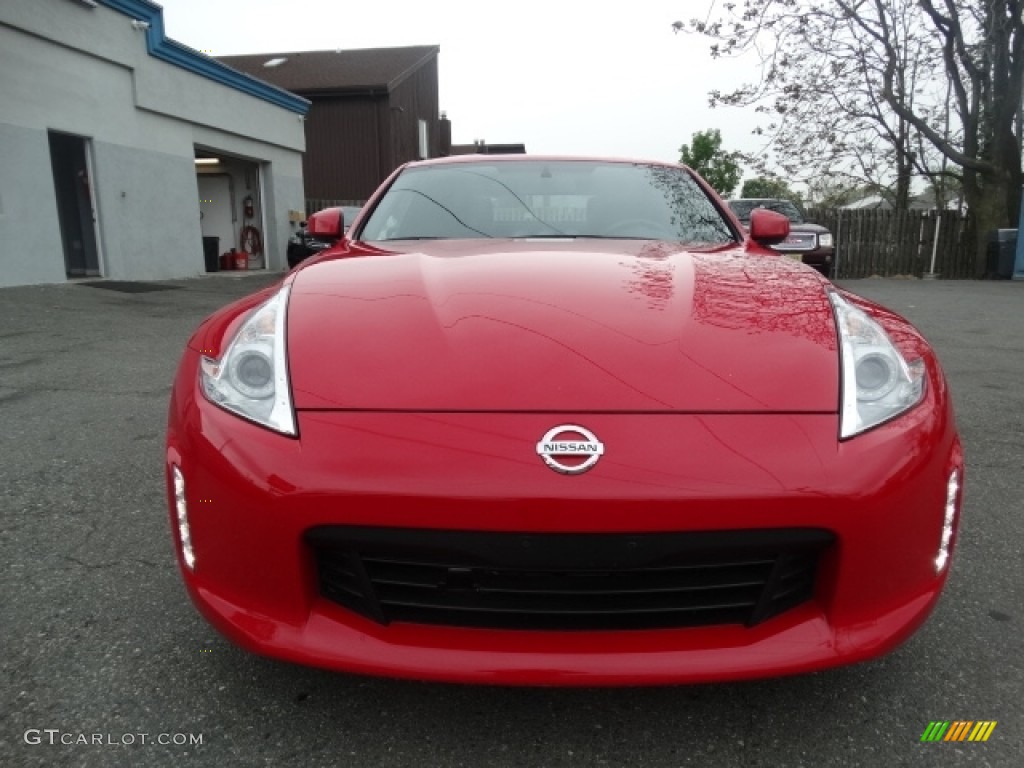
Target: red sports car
(561, 421)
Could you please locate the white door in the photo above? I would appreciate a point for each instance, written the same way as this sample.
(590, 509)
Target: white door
(215, 209)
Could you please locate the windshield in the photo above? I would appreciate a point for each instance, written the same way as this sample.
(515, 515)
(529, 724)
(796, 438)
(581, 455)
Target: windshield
(550, 199)
(742, 209)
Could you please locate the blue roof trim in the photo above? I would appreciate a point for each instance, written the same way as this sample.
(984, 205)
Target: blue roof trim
(162, 47)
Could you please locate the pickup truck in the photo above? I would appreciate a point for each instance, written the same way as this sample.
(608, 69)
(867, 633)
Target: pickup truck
(807, 242)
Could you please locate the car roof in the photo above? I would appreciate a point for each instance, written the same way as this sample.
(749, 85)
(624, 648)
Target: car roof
(491, 159)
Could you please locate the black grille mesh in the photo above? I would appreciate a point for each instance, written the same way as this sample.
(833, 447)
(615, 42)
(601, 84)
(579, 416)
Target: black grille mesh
(567, 581)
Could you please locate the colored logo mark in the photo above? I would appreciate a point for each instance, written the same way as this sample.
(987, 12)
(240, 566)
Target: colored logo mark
(958, 730)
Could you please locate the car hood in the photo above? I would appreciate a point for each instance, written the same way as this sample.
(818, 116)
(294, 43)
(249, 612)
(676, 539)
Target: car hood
(562, 326)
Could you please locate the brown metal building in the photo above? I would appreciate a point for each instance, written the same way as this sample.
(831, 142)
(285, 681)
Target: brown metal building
(372, 110)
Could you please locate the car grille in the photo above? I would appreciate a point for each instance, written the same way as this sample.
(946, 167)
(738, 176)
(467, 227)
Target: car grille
(798, 241)
(567, 581)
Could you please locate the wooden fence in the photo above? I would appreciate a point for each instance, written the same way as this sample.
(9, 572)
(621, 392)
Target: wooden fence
(889, 243)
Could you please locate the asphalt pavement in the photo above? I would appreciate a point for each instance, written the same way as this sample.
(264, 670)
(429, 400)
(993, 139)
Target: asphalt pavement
(99, 642)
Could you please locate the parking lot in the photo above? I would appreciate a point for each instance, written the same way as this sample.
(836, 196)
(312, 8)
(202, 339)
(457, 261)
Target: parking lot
(98, 636)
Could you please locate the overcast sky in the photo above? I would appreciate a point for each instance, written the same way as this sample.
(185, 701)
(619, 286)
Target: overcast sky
(561, 76)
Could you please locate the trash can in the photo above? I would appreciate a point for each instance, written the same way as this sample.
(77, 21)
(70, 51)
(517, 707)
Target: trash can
(1002, 252)
(211, 255)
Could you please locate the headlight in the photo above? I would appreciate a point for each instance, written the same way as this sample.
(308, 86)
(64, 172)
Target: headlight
(251, 377)
(877, 383)
(825, 240)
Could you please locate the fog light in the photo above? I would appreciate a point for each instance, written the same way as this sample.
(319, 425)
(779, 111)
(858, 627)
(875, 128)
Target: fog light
(181, 508)
(948, 521)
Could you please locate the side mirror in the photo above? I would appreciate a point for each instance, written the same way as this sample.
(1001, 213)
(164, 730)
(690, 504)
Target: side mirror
(768, 227)
(328, 224)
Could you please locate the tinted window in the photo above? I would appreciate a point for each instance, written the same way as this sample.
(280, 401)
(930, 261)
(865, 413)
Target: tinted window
(547, 199)
(350, 212)
(742, 209)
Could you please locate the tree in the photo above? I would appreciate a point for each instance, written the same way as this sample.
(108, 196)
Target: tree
(834, 193)
(983, 54)
(945, 192)
(720, 168)
(882, 90)
(816, 89)
(770, 188)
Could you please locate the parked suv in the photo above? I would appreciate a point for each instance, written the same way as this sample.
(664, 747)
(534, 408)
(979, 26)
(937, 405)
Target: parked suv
(811, 243)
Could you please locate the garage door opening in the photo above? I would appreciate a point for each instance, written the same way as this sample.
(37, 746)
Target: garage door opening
(231, 214)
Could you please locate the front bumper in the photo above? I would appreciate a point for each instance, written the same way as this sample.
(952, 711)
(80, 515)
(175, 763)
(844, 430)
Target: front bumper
(254, 497)
(819, 258)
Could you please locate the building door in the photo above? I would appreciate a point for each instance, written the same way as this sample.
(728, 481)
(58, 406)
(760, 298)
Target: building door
(76, 211)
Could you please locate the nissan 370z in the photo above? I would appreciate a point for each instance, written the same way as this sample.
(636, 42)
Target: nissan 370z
(561, 421)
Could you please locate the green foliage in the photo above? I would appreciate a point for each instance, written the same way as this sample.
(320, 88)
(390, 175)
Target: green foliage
(721, 169)
(770, 188)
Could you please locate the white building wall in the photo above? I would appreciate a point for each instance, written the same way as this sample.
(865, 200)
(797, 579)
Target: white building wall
(64, 67)
(30, 245)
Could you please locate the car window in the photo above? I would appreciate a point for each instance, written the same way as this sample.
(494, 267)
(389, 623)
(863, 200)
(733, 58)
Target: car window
(539, 198)
(787, 209)
(349, 212)
(743, 208)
